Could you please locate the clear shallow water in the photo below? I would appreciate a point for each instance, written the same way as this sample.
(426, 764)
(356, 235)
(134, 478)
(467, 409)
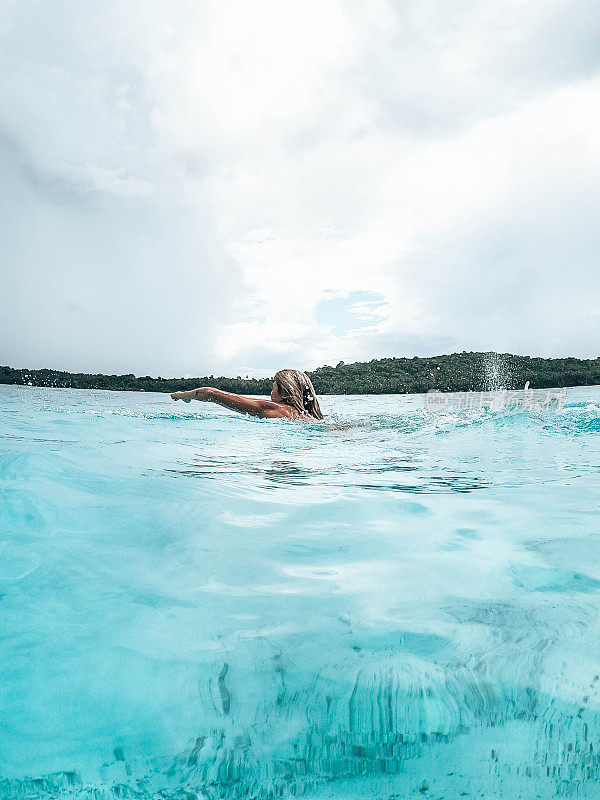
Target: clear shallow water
(393, 603)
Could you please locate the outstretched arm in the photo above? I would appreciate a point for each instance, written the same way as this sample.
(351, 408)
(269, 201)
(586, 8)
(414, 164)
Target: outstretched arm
(236, 402)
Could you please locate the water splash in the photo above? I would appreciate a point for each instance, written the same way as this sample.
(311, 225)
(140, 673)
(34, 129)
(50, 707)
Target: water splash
(497, 372)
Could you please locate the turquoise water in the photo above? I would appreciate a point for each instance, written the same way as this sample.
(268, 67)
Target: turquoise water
(398, 602)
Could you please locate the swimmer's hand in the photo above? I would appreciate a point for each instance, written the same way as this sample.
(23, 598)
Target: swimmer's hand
(193, 394)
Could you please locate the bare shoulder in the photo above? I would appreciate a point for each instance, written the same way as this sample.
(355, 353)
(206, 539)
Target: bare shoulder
(272, 410)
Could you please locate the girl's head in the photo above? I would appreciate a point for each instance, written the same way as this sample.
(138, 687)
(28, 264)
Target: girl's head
(295, 389)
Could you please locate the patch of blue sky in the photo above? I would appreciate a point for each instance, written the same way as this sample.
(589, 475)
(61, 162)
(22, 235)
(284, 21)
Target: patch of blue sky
(355, 310)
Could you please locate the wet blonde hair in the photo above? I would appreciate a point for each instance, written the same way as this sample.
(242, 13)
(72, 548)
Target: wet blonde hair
(296, 390)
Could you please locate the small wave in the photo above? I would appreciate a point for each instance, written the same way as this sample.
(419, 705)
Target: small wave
(118, 412)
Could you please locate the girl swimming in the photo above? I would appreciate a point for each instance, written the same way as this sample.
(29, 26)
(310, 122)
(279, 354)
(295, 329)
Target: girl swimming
(292, 397)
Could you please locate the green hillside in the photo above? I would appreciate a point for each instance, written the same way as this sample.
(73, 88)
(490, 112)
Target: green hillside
(455, 372)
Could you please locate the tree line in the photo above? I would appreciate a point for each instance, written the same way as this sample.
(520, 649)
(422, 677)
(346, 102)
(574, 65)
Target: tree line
(457, 372)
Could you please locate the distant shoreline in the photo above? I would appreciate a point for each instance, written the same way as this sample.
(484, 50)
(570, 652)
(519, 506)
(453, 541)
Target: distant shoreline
(455, 372)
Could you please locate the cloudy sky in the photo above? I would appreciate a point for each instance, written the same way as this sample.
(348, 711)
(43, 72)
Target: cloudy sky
(235, 187)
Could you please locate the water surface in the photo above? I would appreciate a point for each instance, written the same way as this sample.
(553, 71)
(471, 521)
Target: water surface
(398, 602)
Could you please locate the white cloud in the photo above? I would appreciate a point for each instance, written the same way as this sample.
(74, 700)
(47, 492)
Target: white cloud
(186, 185)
